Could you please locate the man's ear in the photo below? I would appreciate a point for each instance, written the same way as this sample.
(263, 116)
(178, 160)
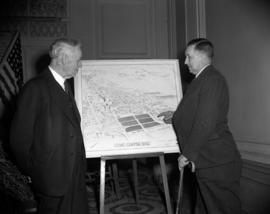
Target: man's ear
(63, 58)
(203, 57)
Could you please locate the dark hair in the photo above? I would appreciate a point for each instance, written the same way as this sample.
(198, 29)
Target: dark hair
(204, 45)
(58, 45)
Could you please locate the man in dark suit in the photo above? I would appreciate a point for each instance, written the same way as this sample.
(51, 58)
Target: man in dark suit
(200, 123)
(46, 136)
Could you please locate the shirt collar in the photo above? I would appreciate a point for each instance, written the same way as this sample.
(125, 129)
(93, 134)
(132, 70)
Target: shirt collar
(201, 70)
(58, 78)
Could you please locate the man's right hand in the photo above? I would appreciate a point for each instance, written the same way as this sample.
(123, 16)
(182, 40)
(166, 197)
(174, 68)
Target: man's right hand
(167, 116)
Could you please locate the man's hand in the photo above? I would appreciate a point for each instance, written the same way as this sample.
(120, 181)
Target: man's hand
(167, 116)
(183, 161)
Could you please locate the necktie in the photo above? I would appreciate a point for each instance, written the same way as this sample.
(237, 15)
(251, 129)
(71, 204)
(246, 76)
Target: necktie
(71, 98)
(67, 88)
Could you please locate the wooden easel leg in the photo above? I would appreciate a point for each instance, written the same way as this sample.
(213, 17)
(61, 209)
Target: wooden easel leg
(135, 174)
(102, 186)
(116, 180)
(165, 183)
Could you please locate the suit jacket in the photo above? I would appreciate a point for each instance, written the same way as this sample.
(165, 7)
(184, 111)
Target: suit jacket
(45, 133)
(200, 121)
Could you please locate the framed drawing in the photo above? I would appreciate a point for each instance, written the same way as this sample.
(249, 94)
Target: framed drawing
(119, 102)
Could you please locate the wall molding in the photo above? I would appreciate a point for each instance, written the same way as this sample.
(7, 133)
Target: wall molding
(256, 172)
(201, 19)
(255, 187)
(254, 151)
(195, 19)
(172, 29)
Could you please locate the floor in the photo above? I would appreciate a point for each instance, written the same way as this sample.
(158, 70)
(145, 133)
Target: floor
(150, 187)
(151, 195)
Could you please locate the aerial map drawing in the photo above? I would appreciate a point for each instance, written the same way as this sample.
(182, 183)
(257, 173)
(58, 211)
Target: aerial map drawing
(119, 102)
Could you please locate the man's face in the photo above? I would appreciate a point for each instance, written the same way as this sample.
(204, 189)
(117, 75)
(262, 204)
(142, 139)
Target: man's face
(73, 62)
(194, 59)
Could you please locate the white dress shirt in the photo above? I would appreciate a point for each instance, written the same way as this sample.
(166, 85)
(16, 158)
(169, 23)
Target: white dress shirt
(201, 71)
(58, 78)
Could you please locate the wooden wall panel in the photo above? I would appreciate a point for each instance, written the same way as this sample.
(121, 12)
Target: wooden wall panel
(131, 29)
(124, 29)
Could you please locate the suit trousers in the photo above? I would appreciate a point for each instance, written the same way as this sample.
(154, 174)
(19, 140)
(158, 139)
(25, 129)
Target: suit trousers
(217, 190)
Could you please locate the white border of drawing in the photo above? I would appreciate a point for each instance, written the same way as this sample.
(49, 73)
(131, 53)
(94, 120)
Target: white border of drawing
(107, 150)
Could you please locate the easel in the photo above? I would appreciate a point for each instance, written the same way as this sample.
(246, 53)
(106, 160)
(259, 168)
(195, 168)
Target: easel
(134, 156)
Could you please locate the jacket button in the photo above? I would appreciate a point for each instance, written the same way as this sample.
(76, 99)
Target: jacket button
(71, 135)
(71, 154)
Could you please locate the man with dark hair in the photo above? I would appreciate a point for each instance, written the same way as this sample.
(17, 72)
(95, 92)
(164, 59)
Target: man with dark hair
(200, 123)
(46, 136)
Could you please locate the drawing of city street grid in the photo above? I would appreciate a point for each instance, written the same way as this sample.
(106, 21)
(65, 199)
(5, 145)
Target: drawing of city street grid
(119, 102)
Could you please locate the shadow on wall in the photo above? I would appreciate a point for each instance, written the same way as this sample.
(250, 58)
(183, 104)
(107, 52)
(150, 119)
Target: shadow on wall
(42, 62)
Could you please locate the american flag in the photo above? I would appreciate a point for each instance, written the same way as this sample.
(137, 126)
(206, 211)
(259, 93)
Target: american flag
(11, 68)
(12, 181)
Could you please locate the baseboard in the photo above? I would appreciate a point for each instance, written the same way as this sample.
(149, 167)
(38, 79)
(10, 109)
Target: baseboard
(255, 187)
(254, 150)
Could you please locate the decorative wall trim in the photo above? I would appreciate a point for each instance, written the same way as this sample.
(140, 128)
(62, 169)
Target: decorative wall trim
(186, 25)
(201, 19)
(255, 187)
(195, 19)
(172, 29)
(39, 18)
(254, 151)
(256, 172)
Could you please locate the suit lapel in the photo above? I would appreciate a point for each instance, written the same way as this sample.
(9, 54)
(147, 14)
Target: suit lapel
(60, 98)
(196, 82)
